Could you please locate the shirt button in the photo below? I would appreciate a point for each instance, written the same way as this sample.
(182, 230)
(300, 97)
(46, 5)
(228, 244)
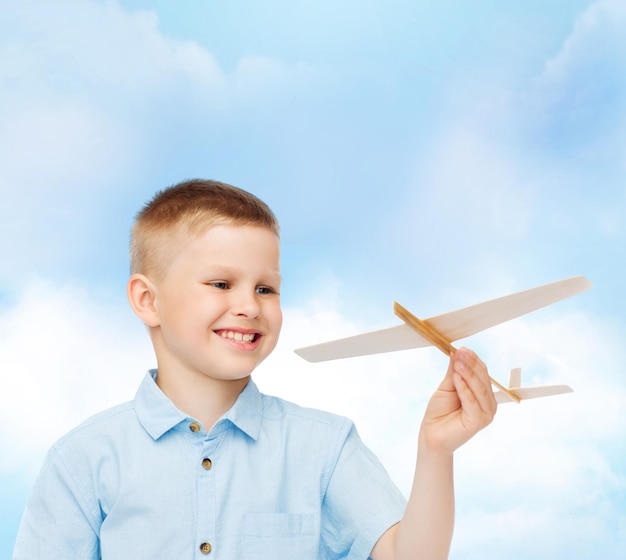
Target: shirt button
(205, 548)
(207, 463)
(194, 427)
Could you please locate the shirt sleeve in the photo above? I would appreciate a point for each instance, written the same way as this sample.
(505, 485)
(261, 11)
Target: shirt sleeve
(361, 501)
(57, 523)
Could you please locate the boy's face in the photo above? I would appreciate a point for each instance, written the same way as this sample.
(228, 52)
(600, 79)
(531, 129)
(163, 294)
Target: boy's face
(219, 305)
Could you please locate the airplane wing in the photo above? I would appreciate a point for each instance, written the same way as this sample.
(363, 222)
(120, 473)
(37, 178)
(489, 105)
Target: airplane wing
(454, 325)
(532, 392)
(401, 337)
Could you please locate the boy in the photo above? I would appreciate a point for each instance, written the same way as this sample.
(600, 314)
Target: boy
(200, 464)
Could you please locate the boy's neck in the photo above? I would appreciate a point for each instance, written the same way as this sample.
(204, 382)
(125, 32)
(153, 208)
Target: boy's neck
(201, 397)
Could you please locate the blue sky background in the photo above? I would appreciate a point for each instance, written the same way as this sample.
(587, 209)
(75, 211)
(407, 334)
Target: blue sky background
(431, 153)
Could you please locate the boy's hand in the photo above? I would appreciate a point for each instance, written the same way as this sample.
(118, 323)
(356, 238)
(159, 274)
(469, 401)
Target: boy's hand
(462, 405)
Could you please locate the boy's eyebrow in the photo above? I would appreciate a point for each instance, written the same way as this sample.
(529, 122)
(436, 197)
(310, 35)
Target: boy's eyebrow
(218, 269)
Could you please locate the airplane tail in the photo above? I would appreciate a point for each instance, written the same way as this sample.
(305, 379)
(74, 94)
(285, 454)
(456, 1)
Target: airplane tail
(515, 385)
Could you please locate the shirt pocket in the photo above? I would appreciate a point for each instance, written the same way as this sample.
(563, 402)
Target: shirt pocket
(280, 536)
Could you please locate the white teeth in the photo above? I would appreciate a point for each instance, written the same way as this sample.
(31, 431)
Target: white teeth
(239, 337)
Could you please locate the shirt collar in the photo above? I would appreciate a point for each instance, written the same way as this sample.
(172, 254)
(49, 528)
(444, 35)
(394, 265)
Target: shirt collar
(247, 412)
(158, 414)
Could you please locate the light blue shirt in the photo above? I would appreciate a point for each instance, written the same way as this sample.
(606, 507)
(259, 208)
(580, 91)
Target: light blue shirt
(271, 480)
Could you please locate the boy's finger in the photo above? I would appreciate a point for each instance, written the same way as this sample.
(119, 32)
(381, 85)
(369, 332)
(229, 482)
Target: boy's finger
(476, 415)
(475, 375)
(448, 381)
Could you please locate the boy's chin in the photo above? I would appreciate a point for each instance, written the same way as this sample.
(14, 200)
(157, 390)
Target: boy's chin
(231, 376)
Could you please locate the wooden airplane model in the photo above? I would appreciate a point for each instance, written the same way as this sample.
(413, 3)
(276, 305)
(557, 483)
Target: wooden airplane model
(441, 330)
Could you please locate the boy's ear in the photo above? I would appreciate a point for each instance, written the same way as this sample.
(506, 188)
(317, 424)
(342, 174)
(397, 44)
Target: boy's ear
(142, 298)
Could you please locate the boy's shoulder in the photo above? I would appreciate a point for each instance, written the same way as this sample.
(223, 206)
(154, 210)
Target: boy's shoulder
(114, 419)
(280, 409)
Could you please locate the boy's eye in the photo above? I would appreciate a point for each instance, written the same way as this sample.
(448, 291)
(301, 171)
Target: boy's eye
(219, 285)
(265, 290)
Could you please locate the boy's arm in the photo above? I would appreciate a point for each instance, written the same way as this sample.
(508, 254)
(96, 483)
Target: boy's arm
(462, 405)
(56, 523)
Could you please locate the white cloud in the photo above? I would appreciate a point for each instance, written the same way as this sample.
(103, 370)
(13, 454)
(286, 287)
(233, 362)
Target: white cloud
(77, 43)
(64, 356)
(546, 475)
(596, 34)
(126, 67)
(577, 102)
(549, 532)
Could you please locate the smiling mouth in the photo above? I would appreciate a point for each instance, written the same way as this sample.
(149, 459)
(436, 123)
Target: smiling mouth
(238, 336)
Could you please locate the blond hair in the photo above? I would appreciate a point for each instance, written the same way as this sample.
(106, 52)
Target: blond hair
(189, 208)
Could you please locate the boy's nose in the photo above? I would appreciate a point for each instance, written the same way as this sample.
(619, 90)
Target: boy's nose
(246, 305)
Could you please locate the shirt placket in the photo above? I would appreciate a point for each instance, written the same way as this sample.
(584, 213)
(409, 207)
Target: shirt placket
(205, 458)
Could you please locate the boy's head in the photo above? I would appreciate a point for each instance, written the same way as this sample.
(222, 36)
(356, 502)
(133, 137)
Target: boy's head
(206, 280)
(185, 210)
